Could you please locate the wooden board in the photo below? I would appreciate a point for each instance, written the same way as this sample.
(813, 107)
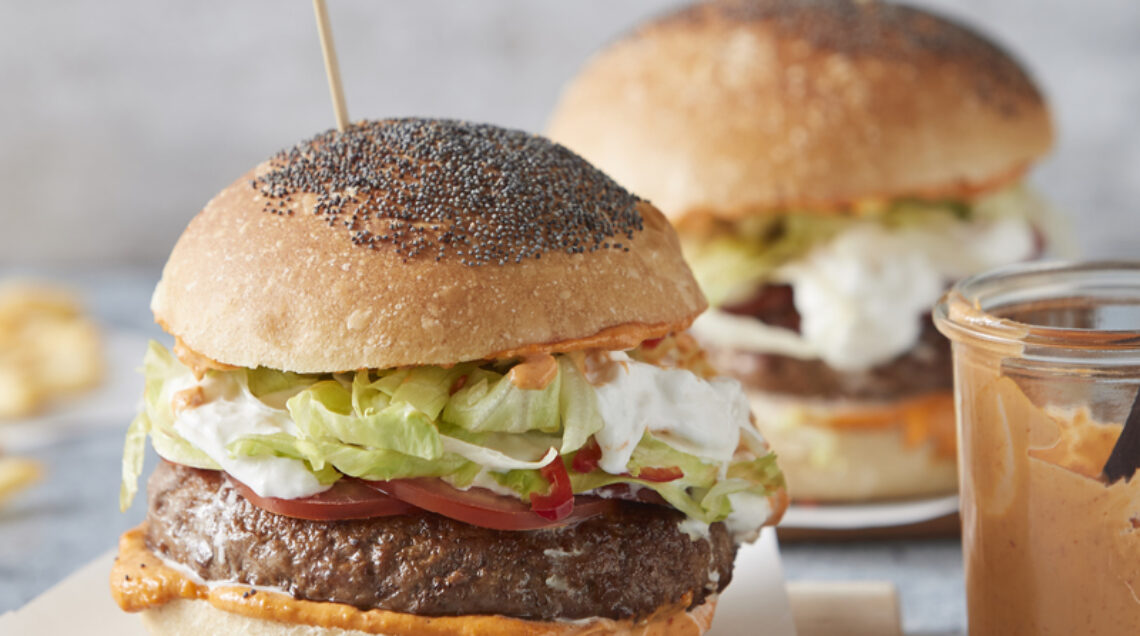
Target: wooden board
(817, 608)
(865, 608)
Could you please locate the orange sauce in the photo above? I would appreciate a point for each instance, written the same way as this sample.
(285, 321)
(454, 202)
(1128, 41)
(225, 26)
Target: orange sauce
(1051, 547)
(187, 399)
(616, 338)
(535, 372)
(922, 419)
(140, 581)
(198, 363)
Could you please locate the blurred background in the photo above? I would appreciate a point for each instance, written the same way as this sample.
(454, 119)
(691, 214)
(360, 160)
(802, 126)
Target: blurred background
(120, 119)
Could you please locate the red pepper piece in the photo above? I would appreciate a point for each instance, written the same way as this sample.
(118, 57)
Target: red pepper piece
(459, 383)
(651, 343)
(588, 456)
(559, 503)
(660, 474)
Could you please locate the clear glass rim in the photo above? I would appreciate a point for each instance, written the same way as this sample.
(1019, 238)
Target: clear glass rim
(1038, 281)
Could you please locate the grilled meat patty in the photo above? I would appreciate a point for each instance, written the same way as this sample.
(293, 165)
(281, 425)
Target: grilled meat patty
(623, 564)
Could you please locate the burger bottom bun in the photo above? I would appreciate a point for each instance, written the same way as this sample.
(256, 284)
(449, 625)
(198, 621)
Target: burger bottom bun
(824, 463)
(195, 618)
(198, 617)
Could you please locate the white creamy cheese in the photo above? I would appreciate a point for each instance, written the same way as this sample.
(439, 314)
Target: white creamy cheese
(230, 412)
(749, 513)
(733, 331)
(695, 416)
(694, 528)
(860, 295)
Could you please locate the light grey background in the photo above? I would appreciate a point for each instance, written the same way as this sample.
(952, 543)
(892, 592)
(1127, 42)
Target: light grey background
(118, 120)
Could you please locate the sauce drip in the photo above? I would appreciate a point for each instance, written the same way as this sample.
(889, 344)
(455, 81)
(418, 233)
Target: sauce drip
(535, 372)
(197, 363)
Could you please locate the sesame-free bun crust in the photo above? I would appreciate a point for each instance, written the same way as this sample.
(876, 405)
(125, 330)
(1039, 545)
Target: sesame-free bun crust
(742, 107)
(262, 280)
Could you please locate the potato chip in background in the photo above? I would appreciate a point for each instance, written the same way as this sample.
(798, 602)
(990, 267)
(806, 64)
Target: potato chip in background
(48, 347)
(17, 473)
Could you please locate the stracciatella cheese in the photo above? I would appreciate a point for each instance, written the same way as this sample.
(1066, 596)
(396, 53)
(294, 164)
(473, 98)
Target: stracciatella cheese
(860, 295)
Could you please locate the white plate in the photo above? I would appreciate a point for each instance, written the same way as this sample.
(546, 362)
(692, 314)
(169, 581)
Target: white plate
(756, 597)
(859, 516)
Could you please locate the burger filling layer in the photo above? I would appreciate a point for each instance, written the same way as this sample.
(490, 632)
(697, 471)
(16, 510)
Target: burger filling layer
(860, 281)
(511, 445)
(925, 368)
(625, 564)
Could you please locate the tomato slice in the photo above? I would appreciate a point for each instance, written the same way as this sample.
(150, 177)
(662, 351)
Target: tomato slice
(660, 475)
(587, 457)
(347, 499)
(483, 508)
(559, 502)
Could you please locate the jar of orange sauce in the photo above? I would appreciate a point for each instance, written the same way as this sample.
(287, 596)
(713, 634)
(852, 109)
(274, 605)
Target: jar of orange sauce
(1047, 369)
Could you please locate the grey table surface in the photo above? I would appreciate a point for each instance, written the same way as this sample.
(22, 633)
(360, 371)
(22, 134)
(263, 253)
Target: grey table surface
(72, 516)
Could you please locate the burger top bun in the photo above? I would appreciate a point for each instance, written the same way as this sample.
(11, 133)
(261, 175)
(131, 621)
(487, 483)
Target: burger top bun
(412, 242)
(744, 107)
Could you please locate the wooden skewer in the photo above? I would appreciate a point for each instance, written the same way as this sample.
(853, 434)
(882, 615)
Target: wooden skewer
(332, 69)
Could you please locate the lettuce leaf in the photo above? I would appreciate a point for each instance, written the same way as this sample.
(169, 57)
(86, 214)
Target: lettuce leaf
(700, 493)
(134, 450)
(405, 423)
(491, 402)
(366, 463)
(735, 258)
(156, 419)
(324, 412)
(578, 403)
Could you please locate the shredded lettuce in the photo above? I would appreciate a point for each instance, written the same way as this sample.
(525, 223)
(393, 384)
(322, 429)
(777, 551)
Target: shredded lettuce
(735, 258)
(449, 422)
(490, 402)
(163, 373)
(324, 412)
(134, 449)
(700, 493)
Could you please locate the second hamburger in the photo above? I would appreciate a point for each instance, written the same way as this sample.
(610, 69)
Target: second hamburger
(831, 167)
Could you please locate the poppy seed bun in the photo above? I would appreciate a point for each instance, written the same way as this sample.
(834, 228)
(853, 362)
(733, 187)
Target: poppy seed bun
(414, 242)
(745, 107)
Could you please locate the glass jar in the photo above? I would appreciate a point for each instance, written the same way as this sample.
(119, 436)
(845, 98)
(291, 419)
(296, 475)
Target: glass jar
(1046, 372)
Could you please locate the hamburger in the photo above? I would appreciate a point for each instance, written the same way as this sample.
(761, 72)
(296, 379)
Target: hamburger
(831, 166)
(432, 377)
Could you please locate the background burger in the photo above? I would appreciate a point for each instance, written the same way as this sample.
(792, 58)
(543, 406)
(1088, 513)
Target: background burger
(831, 166)
(430, 378)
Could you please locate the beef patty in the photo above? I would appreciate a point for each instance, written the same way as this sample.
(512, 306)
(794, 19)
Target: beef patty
(625, 564)
(925, 368)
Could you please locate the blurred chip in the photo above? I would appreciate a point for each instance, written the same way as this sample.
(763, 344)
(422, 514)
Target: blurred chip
(48, 348)
(17, 473)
